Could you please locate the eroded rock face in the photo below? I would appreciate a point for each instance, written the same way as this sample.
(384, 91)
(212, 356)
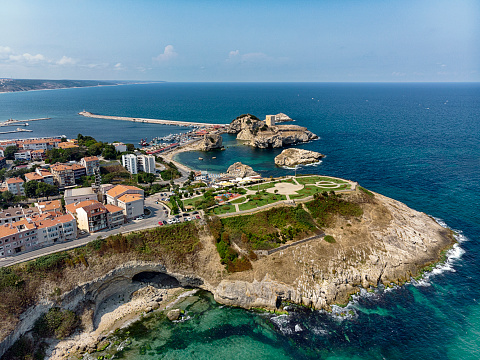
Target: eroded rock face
(256, 133)
(293, 157)
(240, 170)
(210, 142)
(281, 117)
(389, 243)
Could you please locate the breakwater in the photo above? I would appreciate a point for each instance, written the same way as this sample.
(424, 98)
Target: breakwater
(151, 121)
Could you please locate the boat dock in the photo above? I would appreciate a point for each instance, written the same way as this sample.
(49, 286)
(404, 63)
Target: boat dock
(152, 121)
(13, 122)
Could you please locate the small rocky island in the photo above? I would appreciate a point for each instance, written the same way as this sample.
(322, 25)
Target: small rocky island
(210, 142)
(241, 170)
(294, 157)
(264, 134)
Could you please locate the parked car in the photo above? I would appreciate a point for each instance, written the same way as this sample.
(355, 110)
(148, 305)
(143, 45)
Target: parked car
(160, 223)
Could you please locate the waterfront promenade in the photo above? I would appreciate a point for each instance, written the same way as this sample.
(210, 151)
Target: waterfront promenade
(151, 121)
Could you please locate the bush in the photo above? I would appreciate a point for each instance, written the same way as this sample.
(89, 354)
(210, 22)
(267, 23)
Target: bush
(330, 239)
(56, 322)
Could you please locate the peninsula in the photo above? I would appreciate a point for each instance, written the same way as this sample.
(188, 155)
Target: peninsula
(317, 251)
(13, 85)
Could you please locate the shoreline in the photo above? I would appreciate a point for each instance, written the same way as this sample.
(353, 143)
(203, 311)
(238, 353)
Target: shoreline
(118, 317)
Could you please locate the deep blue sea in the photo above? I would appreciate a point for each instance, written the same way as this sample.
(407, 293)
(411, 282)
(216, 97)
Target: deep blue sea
(417, 143)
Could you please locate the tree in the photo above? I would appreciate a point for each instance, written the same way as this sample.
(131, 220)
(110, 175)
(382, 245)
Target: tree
(10, 151)
(191, 176)
(31, 188)
(8, 196)
(149, 178)
(109, 152)
(46, 190)
(130, 147)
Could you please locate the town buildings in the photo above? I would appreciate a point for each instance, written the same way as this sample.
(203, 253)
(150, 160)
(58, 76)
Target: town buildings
(78, 195)
(15, 186)
(129, 161)
(91, 164)
(93, 216)
(129, 198)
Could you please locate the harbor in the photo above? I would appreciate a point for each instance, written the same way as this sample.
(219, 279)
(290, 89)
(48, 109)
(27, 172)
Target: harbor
(17, 130)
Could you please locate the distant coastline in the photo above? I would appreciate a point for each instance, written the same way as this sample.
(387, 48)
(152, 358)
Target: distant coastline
(20, 85)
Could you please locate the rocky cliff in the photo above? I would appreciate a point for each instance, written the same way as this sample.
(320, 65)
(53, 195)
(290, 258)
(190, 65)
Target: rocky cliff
(293, 157)
(210, 142)
(389, 244)
(256, 133)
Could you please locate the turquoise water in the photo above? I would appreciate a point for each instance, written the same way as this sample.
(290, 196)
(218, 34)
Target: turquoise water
(418, 143)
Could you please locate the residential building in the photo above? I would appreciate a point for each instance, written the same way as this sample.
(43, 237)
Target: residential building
(63, 175)
(129, 161)
(78, 172)
(49, 206)
(39, 154)
(78, 195)
(115, 216)
(36, 144)
(3, 162)
(33, 232)
(15, 186)
(120, 147)
(46, 175)
(16, 213)
(93, 216)
(33, 176)
(146, 163)
(91, 163)
(129, 198)
(25, 155)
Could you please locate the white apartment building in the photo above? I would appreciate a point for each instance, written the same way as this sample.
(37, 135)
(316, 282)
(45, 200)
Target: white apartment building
(129, 161)
(146, 163)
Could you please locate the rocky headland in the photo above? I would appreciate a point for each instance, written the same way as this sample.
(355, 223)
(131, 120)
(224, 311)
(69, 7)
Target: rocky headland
(292, 157)
(387, 244)
(257, 133)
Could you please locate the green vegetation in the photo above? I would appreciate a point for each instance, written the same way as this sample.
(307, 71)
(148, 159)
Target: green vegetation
(35, 189)
(237, 200)
(369, 193)
(261, 199)
(324, 206)
(58, 323)
(171, 171)
(224, 209)
(315, 179)
(261, 186)
(330, 239)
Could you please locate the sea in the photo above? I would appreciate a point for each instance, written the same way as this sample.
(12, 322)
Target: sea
(418, 143)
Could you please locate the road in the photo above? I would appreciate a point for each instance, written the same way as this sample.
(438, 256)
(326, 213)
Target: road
(157, 213)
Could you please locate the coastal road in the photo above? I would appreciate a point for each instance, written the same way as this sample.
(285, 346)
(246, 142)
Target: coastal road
(157, 213)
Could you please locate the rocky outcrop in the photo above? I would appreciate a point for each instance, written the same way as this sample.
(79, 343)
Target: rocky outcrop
(240, 170)
(281, 117)
(389, 244)
(293, 157)
(210, 142)
(256, 133)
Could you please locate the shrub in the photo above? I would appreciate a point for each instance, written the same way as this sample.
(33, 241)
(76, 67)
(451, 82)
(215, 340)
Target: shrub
(56, 322)
(330, 239)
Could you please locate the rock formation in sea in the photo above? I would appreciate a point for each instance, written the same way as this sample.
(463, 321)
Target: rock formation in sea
(258, 134)
(210, 142)
(293, 157)
(281, 117)
(240, 170)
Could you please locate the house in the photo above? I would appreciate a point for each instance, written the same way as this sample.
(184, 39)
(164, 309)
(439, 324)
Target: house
(91, 163)
(33, 176)
(15, 186)
(46, 175)
(36, 144)
(78, 195)
(56, 229)
(78, 172)
(3, 162)
(129, 198)
(120, 147)
(63, 175)
(129, 161)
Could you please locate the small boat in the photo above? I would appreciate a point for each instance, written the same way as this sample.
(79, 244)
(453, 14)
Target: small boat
(214, 157)
(200, 158)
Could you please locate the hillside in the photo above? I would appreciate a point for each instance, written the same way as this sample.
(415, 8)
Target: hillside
(13, 85)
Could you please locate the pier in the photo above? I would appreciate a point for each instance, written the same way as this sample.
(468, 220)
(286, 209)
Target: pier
(13, 122)
(17, 130)
(151, 121)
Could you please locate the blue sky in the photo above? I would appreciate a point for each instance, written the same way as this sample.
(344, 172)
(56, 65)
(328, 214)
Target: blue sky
(338, 40)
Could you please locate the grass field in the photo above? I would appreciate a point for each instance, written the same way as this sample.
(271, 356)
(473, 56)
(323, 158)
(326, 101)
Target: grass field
(314, 179)
(263, 199)
(191, 202)
(224, 209)
(262, 186)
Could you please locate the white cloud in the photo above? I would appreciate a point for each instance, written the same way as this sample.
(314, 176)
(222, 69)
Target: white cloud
(169, 53)
(29, 58)
(4, 52)
(398, 73)
(235, 56)
(65, 60)
(118, 66)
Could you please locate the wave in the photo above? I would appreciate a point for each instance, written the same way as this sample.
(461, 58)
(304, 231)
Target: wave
(300, 166)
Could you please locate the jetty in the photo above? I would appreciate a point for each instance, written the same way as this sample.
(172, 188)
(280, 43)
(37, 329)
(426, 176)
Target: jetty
(13, 122)
(151, 121)
(17, 130)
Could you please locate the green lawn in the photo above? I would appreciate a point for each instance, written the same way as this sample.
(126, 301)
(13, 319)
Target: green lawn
(314, 179)
(262, 186)
(264, 200)
(238, 200)
(224, 209)
(191, 201)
